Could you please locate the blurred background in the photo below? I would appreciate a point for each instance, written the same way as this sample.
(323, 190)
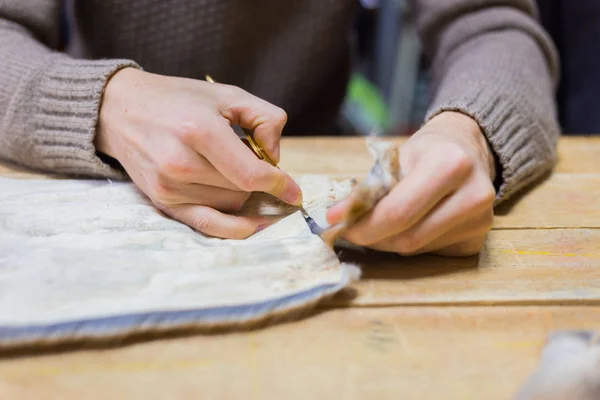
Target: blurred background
(389, 90)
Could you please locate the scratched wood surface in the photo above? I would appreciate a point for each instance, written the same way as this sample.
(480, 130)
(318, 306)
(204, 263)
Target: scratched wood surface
(423, 327)
(556, 266)
(450, 353)
(568, 198)
(349, 155)
(564, 200)
(579, 155)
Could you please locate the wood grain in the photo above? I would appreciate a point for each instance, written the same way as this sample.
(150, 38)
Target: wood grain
(578, 154)
(559, 266)
(423, 353)
(568, 198)
(8, 170)
(421, 327)
(561, 201)
(349, 155)
(333, 156)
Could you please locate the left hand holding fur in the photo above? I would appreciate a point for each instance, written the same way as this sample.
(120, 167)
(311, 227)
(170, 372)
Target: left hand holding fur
(444, 202)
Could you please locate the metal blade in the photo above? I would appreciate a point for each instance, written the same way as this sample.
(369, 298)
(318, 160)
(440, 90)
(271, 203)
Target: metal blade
(312, 224)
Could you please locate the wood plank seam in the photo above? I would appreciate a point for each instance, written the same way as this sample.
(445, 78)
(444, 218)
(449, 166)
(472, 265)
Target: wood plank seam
(333, 305)
(547, 228)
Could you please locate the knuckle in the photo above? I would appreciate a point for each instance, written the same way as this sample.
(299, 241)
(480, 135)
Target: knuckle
(483, 198)
(471, 247)
(186, 129)
(464, 249)
(162, 189)
(173, 165)
(232, 92)
(201, 221)
(358, 239)
(191, 131)
(239, 233)
(408, 244)
(488, 195)
(458, 161)
(161, 206)
(250, 180)
(279, 183)
(487, 222)
(401, 215)
(280, 116)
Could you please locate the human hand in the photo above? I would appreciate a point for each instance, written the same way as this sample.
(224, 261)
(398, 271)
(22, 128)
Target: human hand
(174, 138)
(443, 203)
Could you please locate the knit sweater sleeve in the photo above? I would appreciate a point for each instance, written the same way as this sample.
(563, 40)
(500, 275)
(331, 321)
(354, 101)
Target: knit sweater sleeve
(49, 102)
(492, 61)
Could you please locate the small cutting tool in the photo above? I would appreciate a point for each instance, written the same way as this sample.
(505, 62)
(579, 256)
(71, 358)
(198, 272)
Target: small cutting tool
(262, 155)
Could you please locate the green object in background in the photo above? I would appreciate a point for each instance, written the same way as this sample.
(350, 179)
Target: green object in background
(364, 109)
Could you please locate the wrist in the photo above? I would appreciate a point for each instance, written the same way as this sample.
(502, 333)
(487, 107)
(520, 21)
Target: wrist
(112, 107)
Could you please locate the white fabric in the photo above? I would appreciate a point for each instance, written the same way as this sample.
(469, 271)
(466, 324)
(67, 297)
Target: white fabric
(73, 250)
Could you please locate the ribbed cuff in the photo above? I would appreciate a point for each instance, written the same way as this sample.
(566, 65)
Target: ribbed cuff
(66, 115)
(524, 149)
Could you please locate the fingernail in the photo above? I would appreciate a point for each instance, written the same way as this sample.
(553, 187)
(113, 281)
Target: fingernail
(335, 212)
(261, 228)
(332, 216)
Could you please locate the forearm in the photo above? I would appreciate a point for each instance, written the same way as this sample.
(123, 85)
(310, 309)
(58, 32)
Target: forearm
(49, 102)
(496, 65)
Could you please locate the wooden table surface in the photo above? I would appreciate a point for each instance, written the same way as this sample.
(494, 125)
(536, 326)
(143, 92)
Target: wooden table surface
(413, 328)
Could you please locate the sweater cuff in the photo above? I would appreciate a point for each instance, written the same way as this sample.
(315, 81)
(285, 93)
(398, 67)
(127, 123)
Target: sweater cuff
(522, 149)
(66, 115)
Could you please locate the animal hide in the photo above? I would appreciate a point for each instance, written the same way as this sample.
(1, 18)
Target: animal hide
(569, 369)
(382, 178)
(91, 260)
(94, 260)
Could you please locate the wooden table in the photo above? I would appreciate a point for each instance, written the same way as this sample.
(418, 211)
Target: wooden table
(414, 328)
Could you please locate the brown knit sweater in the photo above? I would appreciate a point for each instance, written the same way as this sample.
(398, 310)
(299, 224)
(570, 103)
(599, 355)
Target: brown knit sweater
(491, 60)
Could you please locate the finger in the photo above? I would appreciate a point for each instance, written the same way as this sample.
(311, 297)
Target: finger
(336, 213)
(468, 230)
(463, 249)
(470, 208)
(411, 199)
(214, 223)
(474, 233)
(214, 197)
(264, 119)
(184, 165)
(238, 164)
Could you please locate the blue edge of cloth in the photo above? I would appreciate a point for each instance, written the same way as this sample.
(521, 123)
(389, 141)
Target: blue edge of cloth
(161, 321)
